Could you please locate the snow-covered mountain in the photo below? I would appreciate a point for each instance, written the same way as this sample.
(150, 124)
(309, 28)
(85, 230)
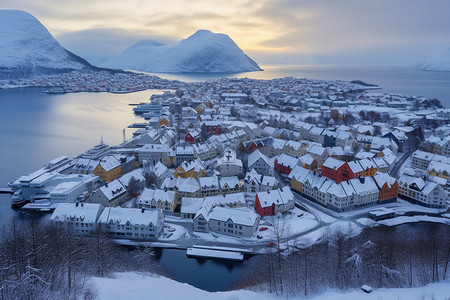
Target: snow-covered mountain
(27, 48)
(439, 61)
(203, 51)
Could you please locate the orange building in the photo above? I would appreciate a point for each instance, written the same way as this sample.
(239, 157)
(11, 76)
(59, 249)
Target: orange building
(388, 187)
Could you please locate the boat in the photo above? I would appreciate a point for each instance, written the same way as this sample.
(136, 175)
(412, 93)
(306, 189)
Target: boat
(154, 107)
(18, 200)
(55, 90)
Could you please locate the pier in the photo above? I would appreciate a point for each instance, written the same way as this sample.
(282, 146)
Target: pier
(234, 254)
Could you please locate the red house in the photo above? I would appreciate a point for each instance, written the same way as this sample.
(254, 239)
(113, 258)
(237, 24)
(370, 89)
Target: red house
(274, 201)
(191, 137)
(285, 163)
(337, 170)
(264, 210)
(212, 127)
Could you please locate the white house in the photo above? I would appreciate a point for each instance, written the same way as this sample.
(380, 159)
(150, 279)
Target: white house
(229, 185)
(228, 164)
(237, 222)
(254, 182)
(209, 186)
(113, 193)
(160, 172)
(153, 153)
(423, 192)
(157, 199)
(205, 150)
(259, 162)
(81, 217)
(132, 223)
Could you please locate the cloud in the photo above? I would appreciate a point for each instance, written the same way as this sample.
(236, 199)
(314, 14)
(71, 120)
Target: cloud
(357, 27)
(99, 45)
(344, 30)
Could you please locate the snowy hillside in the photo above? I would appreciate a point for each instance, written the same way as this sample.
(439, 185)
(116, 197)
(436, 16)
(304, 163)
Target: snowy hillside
(436, 62)
(134, 286)
(27, 48)
(203, 51)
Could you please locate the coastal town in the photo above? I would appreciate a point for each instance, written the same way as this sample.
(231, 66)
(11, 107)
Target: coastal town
(233, 166)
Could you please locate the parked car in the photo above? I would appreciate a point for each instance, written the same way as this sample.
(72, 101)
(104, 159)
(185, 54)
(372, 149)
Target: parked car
(263, 228)
(215, 235)
(171, 229)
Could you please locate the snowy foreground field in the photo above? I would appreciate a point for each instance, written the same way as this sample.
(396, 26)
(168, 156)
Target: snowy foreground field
(136, 286)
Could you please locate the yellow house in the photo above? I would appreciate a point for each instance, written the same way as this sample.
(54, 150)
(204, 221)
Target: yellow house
(439, 169)
(108, 169)
(171, 158)
(200, 109)
(164, 122)
(194, 169)
(369, 172)
(369, 168)
(296, 185)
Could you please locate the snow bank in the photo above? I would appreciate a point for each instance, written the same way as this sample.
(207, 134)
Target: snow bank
(203, 51)
(136, 286)
(405, 219)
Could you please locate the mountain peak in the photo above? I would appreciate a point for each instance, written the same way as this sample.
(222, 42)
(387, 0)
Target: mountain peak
(437, 61)
(28, 48)
(204, 51)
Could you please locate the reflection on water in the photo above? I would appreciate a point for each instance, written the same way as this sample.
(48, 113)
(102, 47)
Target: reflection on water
(206, 274)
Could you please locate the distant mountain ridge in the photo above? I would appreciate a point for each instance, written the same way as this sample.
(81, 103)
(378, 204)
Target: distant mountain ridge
(204, 51)
(436, 62)
(27, 48)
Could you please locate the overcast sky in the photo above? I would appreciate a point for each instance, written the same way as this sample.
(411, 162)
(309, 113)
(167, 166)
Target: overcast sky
(276, 31)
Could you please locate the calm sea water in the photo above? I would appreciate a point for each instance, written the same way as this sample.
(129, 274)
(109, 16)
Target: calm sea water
(36, 127)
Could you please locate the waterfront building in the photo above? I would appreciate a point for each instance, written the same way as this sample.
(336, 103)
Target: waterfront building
(80, 217)
(132, 223)
(157, 199)
(423, 192)
(109, 168)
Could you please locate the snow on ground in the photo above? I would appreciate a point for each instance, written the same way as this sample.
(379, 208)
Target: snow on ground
(404, 219)
(433, 291)
(136, 286)
(346, 227)
(325, 217)
(173, 233)
(366, 222)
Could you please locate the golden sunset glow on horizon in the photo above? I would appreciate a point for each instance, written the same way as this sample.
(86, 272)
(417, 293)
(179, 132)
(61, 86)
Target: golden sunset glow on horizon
(293, 30)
